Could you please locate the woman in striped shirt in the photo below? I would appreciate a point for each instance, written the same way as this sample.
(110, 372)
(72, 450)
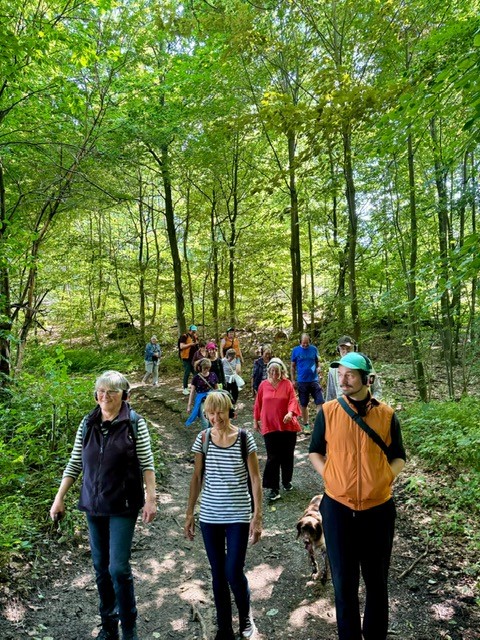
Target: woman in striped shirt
(226, 519)
(112, 452)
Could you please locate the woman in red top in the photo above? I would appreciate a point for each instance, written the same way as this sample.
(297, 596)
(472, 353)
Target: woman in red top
(275, 417)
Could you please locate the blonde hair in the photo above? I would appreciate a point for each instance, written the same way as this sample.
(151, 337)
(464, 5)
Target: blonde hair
(218, 401)
(203, 363)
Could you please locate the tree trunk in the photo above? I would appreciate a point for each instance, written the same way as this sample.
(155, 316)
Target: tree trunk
(418, 366)
(297, 303)
(443, 241)
(163, 163)
(352, 230)
(5, 309)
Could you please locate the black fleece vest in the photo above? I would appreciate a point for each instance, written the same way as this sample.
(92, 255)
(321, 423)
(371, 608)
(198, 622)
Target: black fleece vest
(112, 477)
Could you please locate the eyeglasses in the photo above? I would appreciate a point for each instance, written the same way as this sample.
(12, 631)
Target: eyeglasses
(108, 392)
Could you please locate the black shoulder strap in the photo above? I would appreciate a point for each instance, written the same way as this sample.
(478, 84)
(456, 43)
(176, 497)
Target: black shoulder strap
(134, 417)
(243, 446)
(363, 425)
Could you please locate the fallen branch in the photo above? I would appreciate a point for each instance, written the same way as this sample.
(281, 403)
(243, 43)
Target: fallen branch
(196, 615)
(415, 562)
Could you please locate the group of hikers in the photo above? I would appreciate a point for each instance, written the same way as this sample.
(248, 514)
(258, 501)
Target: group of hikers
(356, 447)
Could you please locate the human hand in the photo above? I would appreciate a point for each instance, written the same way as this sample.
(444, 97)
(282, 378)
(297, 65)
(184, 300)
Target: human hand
(288, 417)
(256, 529)
(189, 528)
(57, 510)
(149, 511)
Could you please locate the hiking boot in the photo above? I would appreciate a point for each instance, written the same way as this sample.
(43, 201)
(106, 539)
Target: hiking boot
(109, 632)
(130, 634)
(288, 486)
(247, 627)
(273, 495)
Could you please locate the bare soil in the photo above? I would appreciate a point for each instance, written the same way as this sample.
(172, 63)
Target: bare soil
(435, 598)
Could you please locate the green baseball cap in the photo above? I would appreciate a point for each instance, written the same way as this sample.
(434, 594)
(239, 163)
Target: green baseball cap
(354, 360)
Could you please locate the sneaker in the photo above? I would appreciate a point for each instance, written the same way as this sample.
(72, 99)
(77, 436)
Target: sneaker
(288, 486)
(186, 392)
(130, 634)
(108, 632)
(248, 628)
(273, 495)
(306, 429)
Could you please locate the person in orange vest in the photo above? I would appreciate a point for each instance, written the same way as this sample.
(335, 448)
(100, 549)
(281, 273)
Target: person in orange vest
(357, 448)
(230, 341)
(187, 346)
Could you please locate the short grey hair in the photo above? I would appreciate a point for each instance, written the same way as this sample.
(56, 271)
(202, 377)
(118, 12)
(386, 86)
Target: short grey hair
(112, 380)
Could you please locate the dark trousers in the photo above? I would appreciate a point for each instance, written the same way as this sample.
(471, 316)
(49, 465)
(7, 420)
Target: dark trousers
(111, 543)
(232, 388)
(226, 546)
(280, 446)
(187, 370)
(359, 541)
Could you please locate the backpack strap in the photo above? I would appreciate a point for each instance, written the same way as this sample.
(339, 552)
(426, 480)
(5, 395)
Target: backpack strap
(243, 446)
(363, 425)
(134, 418)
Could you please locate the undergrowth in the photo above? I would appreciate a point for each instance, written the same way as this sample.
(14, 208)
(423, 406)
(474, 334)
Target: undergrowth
(445, 438)
(40, 416)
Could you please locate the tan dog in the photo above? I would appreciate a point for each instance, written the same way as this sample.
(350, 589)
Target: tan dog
(310, 529)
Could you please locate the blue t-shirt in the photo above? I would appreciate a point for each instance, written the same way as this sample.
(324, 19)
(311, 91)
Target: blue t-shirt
(306, 360)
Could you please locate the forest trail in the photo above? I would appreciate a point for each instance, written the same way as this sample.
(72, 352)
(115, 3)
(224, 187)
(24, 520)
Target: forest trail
(435, 600)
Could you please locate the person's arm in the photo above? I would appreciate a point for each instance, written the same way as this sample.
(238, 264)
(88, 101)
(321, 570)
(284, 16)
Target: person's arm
(317, 452)
(293, 370)
(195, 487)
(240, 354)
(222, 346)
(190, 398)
(293, 407)
(331, 388)
(150, 506)
(57, 510)
(318, 462)
(396, 465)
(256, 523)
(257, 409)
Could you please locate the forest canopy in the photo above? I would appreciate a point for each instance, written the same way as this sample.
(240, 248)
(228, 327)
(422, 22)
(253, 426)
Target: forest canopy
(260, 164)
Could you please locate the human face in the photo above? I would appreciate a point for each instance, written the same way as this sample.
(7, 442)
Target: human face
(267, 356)
(274, 373)
(230, 334)
(305, 342)
(205, 370)
(344, 349)
(219, 419)
(350, 381)
(109, 400)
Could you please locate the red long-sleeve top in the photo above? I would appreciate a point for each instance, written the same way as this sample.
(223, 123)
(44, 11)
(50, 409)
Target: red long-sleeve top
(272, 404)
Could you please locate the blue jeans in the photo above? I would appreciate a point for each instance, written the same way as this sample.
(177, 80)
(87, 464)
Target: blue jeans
(359, 540)
(227, 567)
(111, 543)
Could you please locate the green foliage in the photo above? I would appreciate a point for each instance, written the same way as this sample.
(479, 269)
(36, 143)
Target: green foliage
(445, 433)
(446, 437)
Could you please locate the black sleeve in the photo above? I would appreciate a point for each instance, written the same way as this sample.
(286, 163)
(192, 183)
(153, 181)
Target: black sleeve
(396, 448)
(318, 443)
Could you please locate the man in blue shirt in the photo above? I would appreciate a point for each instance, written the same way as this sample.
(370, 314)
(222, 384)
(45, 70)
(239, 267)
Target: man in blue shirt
(304, 370)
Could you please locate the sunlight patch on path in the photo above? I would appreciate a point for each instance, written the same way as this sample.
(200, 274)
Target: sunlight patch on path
(262, 580)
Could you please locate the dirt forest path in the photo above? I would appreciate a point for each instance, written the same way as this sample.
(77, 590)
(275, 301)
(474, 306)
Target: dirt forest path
(435, 600)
